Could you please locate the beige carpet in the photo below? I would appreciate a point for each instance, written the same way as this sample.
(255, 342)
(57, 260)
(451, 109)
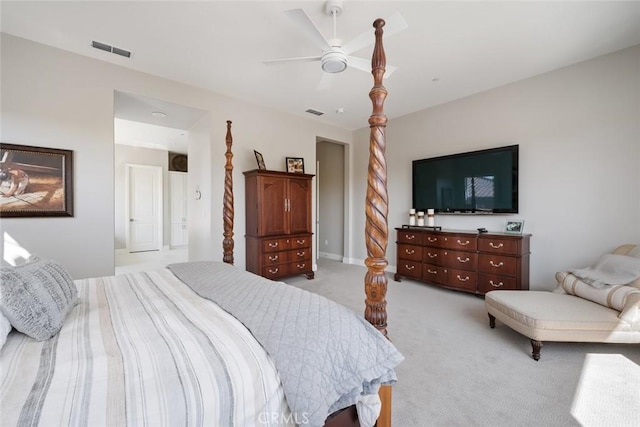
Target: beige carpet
(460, 372)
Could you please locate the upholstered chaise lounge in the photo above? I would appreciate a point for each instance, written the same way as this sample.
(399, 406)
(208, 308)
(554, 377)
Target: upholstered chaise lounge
(576, 311)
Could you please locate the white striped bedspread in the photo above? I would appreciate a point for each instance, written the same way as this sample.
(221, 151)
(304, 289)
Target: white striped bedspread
(141, 349)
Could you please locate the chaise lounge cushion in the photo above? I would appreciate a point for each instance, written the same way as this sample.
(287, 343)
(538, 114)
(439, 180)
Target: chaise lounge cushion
(549, 316)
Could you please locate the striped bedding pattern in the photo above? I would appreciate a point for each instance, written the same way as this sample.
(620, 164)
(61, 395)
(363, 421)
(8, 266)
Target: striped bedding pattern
(141, 349)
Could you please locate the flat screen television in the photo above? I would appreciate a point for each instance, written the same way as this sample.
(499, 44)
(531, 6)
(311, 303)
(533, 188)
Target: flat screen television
(477, 182)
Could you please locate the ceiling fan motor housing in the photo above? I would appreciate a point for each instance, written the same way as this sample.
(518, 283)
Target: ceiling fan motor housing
(333, 6)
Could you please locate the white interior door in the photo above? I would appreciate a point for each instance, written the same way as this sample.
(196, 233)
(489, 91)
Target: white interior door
(144, 231)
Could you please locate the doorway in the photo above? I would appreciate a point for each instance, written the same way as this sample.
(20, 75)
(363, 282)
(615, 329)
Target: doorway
(330, 204)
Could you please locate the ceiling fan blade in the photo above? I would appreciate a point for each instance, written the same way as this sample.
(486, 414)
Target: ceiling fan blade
(301, 18)
(325, 81)
(393, 24)
(285, 60)
(365, 65)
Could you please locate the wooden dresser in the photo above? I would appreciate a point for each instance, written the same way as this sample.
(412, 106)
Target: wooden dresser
(278, 224)
(463, 260)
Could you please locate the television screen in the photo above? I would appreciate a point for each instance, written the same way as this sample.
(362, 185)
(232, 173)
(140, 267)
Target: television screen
(484, 181)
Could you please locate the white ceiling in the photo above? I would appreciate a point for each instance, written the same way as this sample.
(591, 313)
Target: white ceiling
(450, 50)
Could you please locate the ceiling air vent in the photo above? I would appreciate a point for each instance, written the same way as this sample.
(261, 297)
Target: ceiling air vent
(107, 48)
(315, 112)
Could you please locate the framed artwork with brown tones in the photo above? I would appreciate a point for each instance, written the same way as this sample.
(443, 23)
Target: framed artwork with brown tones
(260, 160)
(35, 181)
(295, 164)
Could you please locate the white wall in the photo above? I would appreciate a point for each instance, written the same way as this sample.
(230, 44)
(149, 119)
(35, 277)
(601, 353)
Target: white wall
(54, 98)
(579, 134)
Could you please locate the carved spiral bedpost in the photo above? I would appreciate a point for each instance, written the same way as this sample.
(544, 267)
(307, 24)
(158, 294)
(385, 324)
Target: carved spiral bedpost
(377, 206)
(377, 209)
(227, 204)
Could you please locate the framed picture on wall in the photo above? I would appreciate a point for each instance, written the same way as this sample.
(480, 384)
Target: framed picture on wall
(35, 181)
(295, 164)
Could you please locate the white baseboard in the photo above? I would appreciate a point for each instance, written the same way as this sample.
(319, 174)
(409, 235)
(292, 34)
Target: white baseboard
(334, 257)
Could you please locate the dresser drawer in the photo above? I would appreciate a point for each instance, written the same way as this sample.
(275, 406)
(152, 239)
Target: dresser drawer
(302, 254)
(499, 246)
(275, 258)
(299, 267)
(492, 282)
(409, 268)
(410, 237)
(496, 264)
(459, 259)
(433, 256)
(275, 245)
(462, 279)
(410, 252)
(434, 273)
(463, 242)
(299, 242)
(275, 271)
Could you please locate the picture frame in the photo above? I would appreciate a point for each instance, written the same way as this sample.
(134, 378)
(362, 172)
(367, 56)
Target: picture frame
(35, 181)
(514, 226)
(295, 164)
(260, 160)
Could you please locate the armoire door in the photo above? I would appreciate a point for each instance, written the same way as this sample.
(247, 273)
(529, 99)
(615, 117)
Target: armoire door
(272, 205)
(299, 206)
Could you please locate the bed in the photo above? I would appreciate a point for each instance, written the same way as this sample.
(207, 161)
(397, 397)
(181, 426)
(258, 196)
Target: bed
(201, 343)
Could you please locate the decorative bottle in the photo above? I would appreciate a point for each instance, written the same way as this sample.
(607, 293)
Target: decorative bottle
(420, 219)
(431, 217)
(412, 217)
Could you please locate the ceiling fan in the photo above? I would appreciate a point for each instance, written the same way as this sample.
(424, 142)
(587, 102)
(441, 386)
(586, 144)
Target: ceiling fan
(335, 57)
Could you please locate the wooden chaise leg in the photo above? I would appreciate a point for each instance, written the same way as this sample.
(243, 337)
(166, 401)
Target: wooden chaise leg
(492, 320)
(536, 345)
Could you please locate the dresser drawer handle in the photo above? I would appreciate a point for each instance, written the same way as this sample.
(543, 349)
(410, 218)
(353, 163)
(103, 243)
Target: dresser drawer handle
(494, 246)
(498, 265)
(432, 271)
(461, 279)
(463, 260)
(274, 271)
(301, 254)
(463, 244)
(273, 258)
(301, 266)
(430, 255)
(496, 285)
(409, 251)
(409, 267)
(273, 245)
(432, 239)
(409, 236)
(301, 242)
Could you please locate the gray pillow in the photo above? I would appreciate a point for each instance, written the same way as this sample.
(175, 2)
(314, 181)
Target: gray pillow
(36, 297)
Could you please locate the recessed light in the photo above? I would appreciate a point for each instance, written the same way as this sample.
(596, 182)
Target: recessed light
(158, 114)
(340, 110)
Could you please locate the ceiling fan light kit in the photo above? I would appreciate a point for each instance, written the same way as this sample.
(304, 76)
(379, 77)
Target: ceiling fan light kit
(334, 61)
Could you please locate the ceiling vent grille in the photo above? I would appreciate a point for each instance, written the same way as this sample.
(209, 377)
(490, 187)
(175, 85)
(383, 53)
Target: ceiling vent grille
(315, 112)
(114, 50)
